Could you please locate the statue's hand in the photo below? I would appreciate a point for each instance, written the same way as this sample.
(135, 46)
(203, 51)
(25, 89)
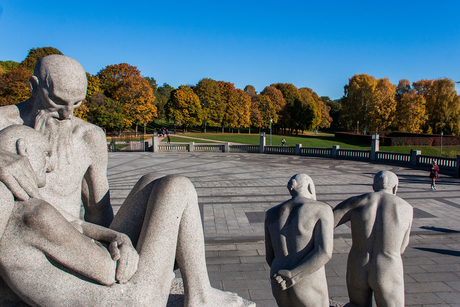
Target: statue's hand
(126, 256)
(17, 174)
(284, 279)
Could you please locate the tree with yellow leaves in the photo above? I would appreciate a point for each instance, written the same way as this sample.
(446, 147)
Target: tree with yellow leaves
(184, 107)
(382, 106)
(208, 92)
(14, 86)
(243, 107)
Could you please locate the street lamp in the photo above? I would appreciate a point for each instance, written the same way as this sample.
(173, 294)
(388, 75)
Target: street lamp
(441, 142)
(357, 127)
(271, 120)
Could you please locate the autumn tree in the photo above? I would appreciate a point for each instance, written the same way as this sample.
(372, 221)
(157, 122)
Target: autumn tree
(35, 54)
(136, 98)
(359, 94)
(229, 97)
(277, 100)
(153, 84)
(254, 112)
(14, 86)
(184, 107)
(208, 92)
(6, 66)
(289, 114)
(382, 107)
(310, 108)
(334, 109)
(243, 107)
(251, 90)
(94, 86)
(124, 83)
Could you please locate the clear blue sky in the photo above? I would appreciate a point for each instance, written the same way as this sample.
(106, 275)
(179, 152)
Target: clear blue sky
(316, 44)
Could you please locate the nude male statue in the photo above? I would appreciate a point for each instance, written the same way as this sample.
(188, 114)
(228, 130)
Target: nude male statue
(160, 217)
(298, 243)
(380, 229)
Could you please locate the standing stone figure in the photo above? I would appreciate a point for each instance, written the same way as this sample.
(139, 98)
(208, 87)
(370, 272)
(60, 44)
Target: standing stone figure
(55, 259)
(298, 243)
(380, 229)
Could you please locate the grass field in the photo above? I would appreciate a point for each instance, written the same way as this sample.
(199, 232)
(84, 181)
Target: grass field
(311, 140)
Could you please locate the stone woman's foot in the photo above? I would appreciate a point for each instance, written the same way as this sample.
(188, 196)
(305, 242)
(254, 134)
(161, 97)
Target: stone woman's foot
(215, 297)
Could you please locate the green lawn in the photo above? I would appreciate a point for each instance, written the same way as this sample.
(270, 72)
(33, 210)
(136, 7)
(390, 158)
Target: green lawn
(322, 141)
(184, 140)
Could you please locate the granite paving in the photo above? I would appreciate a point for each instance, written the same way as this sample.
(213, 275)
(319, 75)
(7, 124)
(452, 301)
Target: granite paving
(235, 190)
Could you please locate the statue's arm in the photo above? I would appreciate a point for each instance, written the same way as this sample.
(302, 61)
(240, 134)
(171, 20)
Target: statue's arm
(343, 210)
(269, 253)
(405, 242)
(95, 192)
(323, 236)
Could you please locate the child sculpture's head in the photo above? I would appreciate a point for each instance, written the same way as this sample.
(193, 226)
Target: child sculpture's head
(27, 142)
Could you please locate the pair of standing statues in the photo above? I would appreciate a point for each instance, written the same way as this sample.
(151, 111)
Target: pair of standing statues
(299, 242)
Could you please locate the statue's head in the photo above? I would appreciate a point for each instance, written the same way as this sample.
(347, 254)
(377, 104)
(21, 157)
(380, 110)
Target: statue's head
(387, 181)
(302, 185)
(58, 85)
(27, 142)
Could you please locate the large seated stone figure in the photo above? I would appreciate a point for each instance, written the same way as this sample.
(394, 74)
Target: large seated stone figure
(380, 228)
(49, 257)
(299, 241)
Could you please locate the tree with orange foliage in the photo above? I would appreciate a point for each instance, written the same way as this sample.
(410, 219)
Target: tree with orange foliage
(14, 86)
(381, 109)
(229, 97)
(243, 109)
(209, 94)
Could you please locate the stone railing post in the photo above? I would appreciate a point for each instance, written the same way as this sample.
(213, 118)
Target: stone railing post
(415, 153)
(262, 142)
(227, 147)
(297, 149)
(375, 146)
(335, 148)
(457, 168)
(191, 146)
(155, 142)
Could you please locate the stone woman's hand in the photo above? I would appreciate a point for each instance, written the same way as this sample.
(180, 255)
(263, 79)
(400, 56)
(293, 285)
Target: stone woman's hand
(126, 256)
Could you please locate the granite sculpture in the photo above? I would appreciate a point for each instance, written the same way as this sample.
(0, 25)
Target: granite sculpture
(48, 256)
(380, 228)
(299, 242)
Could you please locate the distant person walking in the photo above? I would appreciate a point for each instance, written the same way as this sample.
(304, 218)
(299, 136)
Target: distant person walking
(283, 142)
(169, 138)
(434, 174)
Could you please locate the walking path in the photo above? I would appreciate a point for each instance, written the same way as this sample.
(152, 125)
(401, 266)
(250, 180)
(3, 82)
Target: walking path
(235, 190)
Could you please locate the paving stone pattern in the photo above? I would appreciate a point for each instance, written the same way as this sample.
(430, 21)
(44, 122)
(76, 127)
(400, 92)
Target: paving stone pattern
(235, 190)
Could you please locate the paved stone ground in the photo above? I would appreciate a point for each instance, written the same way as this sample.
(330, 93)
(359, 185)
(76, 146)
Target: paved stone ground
(235, 190)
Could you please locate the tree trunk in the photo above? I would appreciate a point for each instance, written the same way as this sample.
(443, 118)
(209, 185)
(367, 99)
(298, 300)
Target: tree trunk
(249, 129)
(136, 129)
(238, 130)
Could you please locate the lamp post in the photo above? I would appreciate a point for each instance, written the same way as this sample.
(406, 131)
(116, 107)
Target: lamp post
(357, 127)
(271, 120)
(441, 142)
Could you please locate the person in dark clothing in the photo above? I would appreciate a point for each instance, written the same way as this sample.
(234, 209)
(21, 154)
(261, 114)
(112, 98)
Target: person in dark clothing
(434, 174)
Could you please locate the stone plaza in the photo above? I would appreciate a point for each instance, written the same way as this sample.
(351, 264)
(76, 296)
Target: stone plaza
(235, 190)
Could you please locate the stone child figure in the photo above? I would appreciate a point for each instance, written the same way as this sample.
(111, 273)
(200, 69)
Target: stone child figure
(298, 243)
(158, 222)
(380, 228)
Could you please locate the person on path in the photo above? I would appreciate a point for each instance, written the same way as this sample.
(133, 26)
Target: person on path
(169, 138)
(434, 174)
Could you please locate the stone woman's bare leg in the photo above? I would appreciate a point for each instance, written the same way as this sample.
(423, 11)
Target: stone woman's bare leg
(172, 220)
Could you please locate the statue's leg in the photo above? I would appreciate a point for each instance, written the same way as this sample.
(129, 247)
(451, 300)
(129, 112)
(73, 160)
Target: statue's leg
(388, 284)
(359, 291)
(40, 280)
(171, 229)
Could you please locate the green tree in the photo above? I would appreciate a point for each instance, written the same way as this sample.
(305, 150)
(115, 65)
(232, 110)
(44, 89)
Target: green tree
(105, 112)
(6, 66)
(162, 95)
(289, 115)
(208, 92)
(35, 54)
(334, 108)
(184, 107)
(153, 84)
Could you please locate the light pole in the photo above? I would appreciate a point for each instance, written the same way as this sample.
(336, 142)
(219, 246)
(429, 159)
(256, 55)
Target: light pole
(271, 120)
(357, 127)
(441, 142)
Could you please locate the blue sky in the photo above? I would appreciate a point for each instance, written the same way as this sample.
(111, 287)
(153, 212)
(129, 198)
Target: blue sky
(316, 44)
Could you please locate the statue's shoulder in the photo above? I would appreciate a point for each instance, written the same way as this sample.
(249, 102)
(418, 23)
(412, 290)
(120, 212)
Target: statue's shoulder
(9, 115)
(91, 134)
